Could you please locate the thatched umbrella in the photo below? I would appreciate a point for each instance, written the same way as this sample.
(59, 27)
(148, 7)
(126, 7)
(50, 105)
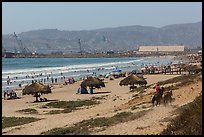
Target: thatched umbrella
(133, 79)
(142, 82)
(93, 82)
(36, 89)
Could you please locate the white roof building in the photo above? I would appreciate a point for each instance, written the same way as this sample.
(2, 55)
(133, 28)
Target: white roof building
(161, 48)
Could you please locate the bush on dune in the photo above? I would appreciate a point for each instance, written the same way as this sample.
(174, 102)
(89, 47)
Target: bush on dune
(189, 122)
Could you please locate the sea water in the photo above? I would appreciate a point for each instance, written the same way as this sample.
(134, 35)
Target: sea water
(24, 70)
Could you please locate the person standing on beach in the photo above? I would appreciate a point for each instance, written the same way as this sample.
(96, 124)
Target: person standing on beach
(8, 80)
(5, 93)
(52, 80)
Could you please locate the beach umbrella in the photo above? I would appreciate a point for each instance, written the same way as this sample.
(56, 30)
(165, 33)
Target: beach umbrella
(117, 70)
(133, 79)
(68, 79)
(36, 89)
(93, 82)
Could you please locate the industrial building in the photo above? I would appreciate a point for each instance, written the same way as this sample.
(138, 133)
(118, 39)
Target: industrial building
(161, 49)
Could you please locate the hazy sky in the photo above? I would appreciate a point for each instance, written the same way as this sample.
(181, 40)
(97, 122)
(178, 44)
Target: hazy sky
(24, 16)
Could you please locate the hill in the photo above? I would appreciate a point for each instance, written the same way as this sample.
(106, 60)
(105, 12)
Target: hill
(105, 39)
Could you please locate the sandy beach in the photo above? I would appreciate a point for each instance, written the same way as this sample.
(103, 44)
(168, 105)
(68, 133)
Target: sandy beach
(117, 99)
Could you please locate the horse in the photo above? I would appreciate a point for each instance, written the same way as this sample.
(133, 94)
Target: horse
(158, 97)
(168, 97)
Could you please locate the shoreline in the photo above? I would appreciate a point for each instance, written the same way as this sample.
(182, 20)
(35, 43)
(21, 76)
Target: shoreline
(105, 56)
(59, 77)
(182, 58)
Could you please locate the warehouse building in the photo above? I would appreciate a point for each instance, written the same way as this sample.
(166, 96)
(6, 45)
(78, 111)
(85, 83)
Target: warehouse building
(161, 49)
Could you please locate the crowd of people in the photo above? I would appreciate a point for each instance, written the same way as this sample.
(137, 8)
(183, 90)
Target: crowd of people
(10, 94)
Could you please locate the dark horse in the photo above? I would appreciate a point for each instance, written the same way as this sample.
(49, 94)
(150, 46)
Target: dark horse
(158, 97)
(168, 97)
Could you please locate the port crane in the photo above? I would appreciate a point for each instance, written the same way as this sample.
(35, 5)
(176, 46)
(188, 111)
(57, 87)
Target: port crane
(79, 41)
(20, 43)
(80, 49)
(106, 40)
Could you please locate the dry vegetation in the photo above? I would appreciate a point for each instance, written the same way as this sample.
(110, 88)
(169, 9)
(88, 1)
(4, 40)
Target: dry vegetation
(28, 111)
(85, 127)
(189, 122)
(15, 121)
(69, 106)
(181, 80)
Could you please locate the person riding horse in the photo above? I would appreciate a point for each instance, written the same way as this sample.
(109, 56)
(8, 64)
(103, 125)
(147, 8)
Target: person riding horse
(161, 91)
(157, 87)
(158, 95)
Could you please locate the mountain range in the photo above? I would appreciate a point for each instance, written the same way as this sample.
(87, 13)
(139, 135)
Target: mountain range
(101, 40)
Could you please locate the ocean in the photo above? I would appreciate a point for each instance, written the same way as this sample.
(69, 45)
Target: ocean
(24, 70)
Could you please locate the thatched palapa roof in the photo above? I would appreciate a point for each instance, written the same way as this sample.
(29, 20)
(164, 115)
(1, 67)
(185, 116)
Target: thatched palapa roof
(132, 79)
(36, 88)
(93, 82)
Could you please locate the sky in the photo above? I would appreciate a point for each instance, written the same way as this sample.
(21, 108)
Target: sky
(25, 16)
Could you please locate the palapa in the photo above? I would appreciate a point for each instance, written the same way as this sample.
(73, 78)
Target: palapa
(133, 79)
(93, 82)
(36, 89)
